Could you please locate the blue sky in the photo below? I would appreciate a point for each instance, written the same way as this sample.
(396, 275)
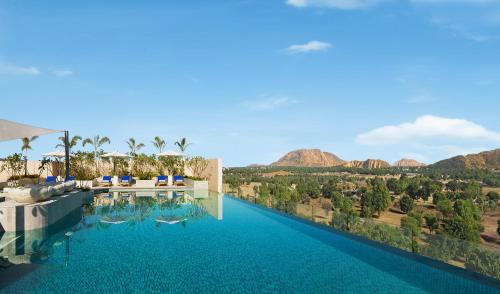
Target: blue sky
(251, 80)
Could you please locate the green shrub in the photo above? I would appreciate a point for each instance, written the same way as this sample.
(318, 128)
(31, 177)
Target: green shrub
(406, 204)
(484, 261)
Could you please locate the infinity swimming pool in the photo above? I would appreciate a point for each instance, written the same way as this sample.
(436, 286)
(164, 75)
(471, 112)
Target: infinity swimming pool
(181, 242)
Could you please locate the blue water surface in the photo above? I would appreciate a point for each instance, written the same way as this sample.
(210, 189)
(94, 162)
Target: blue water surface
(197, 247)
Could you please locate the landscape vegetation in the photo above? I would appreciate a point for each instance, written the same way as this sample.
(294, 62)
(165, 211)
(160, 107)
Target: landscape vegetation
(447, 211)
(89, 165)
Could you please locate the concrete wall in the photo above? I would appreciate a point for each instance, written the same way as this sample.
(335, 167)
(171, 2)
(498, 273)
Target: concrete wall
(20, 216)
(214, 175)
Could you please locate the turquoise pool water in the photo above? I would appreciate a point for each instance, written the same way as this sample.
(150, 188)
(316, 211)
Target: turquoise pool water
(178, 243)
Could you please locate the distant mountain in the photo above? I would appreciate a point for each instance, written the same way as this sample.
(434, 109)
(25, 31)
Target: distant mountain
(406, 162)
(370, 163)
(255, 165)
(309, 158)
(487, 159)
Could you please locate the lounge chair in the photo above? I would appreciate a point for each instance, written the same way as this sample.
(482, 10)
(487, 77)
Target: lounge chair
(125, 181)
(50, 179)
(179, 181)
(161, 181)
(71, 178)
(106, 181)
(177, 194)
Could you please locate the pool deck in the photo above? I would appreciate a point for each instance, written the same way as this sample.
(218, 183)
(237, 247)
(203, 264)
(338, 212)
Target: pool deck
(15, 216)
(134, 189)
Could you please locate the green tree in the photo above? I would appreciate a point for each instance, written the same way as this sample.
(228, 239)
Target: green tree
(96, 142)
(182, 144)
(430, 188)
(24, 148)
(72, 142)
(337, 198)
(465, 223)
(392, 185)
(437, 197)
(453, 186)
(264, 194)
(349, 214)
(159, 144)
(406, 204)
(431, 222)
(234, 182)
(411, 228)
(381, 198)
(492, 198)
(413, 189)
(13, 164)
(134, 147)
(366, 203)
(329, 188)
(444, 206)
(471, 191)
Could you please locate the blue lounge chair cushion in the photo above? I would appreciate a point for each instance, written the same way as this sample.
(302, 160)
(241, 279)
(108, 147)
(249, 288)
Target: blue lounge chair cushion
(161, 178)
(125, 178)
(71, 178)
(178, 179)
(50, 179)
(106, 178)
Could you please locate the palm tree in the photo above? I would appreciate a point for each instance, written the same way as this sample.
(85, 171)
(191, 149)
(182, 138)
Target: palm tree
(182, 144)
(159, 143)
(24, 148)
(133, 146)
(96, 143)
(72, 143)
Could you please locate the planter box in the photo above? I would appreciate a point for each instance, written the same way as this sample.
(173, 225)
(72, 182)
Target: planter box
(144, 184)
(196, 185)
(86, 184)
(29, 181)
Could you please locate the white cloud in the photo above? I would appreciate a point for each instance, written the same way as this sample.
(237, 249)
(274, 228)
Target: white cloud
(63, 72)
(460, 30)
(308, 47)
(426, 127)
(340, 4)
(270, 103)
(18, 70)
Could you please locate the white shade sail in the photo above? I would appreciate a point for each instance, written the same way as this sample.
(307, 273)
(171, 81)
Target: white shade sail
(115, 154)
(170, 153)
(10, 130)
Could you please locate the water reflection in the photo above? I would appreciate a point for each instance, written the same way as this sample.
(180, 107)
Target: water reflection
(109, 209)
(36, 246)
(165, 207)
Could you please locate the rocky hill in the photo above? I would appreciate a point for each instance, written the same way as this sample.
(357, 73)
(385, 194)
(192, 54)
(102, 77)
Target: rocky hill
(309, 158)
(487, 159)
(370, 163)
(406, 162)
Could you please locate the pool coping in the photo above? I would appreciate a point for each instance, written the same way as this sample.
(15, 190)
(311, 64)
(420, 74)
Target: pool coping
(465, 273)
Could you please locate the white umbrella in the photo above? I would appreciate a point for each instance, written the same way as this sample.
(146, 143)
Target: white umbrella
(115, 154)
(59, 154)
(56, 154)
(170, 153)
